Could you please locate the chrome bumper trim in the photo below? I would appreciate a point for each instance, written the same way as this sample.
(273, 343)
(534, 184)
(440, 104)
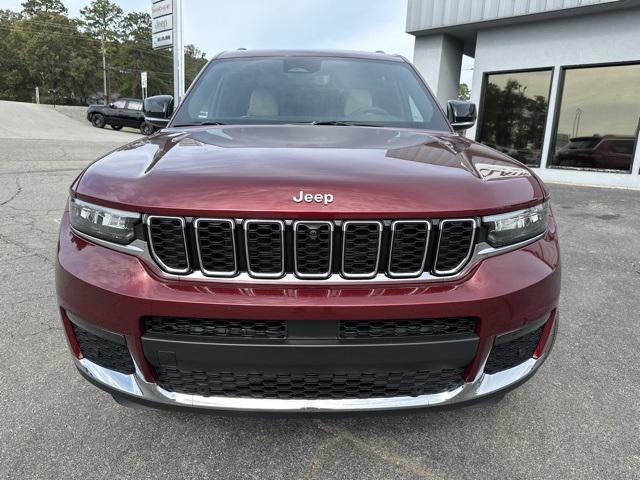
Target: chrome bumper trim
(484, 384)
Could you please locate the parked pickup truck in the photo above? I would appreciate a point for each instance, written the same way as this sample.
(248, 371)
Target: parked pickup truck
(124, 112)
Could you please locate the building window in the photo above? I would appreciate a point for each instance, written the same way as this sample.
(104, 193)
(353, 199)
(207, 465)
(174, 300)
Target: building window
(597, 125)
(514, 113)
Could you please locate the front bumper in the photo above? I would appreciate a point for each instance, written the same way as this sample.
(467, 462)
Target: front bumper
(135, 388)
(114, 291)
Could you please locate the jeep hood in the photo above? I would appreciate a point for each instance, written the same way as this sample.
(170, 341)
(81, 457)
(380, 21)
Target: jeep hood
(246, 171)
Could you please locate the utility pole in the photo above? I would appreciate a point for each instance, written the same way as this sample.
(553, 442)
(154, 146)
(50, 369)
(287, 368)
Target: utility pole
(104, 69)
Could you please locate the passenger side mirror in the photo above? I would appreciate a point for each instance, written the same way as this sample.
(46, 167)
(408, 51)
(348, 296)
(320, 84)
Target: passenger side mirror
(158, 110)
(462, 115)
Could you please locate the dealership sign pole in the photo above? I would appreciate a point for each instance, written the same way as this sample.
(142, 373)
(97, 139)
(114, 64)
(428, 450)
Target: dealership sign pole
(143, 84)
(166, 31)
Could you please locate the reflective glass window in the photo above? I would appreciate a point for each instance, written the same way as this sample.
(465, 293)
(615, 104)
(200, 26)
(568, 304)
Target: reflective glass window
(514, 113)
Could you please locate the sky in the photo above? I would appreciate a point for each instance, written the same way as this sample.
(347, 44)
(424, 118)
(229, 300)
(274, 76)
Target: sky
(217, 25)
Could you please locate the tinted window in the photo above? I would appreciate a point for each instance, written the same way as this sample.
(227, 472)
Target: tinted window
(306, 89)
(583, 143)
(514, 113)
(119, 103)
(596, 103)
(622, 146)
(134, 105)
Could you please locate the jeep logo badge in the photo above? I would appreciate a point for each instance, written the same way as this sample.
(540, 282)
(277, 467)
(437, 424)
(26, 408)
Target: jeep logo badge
(325, 198)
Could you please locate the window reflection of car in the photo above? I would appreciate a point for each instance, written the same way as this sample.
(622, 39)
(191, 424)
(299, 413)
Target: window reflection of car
(610, 152)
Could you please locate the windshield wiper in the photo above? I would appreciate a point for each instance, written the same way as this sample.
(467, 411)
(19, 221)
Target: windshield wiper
(198, 124)
(343, 123)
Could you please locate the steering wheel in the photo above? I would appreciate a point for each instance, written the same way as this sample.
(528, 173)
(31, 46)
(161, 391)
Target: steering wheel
(371, 110)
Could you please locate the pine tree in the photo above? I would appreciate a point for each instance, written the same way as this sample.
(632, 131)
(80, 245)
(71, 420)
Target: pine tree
(102, 19)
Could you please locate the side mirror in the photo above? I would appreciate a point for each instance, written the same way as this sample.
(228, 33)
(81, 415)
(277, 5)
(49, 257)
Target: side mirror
(461, 115)
(111, 105)
(158, 110)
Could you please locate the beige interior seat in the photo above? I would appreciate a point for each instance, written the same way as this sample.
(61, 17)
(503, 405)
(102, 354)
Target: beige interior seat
(356, 99)
(262, 103)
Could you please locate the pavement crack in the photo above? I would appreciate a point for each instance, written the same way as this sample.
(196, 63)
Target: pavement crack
(15, 195)
(388, 456)
(25, 249)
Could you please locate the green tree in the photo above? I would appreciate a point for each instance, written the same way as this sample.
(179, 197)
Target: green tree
(35, 7)
(41, 46)
(102, 19)
(194, 60)
(464, 93)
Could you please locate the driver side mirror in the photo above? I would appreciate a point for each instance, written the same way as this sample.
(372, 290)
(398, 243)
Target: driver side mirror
(462, 115)
(158, 110)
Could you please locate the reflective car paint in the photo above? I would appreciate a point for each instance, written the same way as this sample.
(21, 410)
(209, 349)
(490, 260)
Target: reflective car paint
(504, 291)
(254, 171)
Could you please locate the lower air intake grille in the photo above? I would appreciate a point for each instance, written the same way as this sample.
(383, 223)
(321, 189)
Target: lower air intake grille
(514, 352)
(103, 352)
(168, 243)
(204, 327)
(406, 328)
(455, 244)
(309, 386)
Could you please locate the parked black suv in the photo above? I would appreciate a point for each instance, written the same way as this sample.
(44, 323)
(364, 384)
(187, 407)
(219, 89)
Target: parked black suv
(124, 112)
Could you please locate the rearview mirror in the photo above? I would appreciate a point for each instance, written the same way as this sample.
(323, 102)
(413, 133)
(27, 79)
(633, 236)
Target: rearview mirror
(462, 115)
(158, 110)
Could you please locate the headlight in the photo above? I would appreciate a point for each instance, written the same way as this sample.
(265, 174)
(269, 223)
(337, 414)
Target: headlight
(514, 227)
(102, 222)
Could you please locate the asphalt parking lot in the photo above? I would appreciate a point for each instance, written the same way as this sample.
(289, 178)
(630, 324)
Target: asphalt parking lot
(579, 417)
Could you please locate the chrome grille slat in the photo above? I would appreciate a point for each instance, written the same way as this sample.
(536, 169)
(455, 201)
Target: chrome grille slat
(168, 243)
(361, 248)
(409, 246)
(216, 246)
(264, 247)
(455, 245)
(313, 255)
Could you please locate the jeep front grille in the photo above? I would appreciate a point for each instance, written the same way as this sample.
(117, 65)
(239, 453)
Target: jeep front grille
(314, 250)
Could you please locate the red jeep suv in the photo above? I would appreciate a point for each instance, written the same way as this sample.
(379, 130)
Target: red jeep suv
(308, 232)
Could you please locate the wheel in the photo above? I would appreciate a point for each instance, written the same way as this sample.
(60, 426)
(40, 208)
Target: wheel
(98, 120)
(116, 127)
(146, 128)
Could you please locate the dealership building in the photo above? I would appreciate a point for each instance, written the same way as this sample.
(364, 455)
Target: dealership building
(557, 82)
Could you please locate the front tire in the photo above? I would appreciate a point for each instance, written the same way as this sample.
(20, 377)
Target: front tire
(98, 120)
(116, 127)
(146, 128)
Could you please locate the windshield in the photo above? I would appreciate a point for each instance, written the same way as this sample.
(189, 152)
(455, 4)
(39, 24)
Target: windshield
(276, 90)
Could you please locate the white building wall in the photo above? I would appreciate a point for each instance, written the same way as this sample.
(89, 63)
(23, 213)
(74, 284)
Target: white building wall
(439, 59)
(603, 38)
(427, 14)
